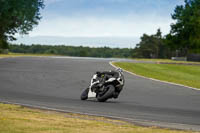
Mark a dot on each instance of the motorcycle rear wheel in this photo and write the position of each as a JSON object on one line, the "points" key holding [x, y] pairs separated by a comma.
{"points": [[108, 94]]}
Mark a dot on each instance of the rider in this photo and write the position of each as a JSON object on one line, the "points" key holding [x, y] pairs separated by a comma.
{"points": [[108, 74]]}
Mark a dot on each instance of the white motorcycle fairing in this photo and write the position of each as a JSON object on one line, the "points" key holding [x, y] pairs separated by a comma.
{"points": [[92, 94]]}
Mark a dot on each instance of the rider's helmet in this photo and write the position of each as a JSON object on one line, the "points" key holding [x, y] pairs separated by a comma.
{"points": [[98, 74]]}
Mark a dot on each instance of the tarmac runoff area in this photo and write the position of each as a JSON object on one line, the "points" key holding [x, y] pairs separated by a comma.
{"points": [[56, 83]]}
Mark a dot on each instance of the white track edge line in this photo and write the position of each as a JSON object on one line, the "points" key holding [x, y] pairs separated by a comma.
{"points": [[111, 63]]}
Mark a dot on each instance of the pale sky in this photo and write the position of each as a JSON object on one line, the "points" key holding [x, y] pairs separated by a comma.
{"points": [[105, 18]]}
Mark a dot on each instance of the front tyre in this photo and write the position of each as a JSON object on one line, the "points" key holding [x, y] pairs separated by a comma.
{"points": [[108, 94], [84, 95]]}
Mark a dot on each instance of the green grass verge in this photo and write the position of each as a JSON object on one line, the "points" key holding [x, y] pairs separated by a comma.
{"points": [[167, 61], [18, 119], [182, 74]]}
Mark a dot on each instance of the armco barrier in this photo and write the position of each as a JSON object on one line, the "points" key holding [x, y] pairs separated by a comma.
{"points": [[193, 57]]}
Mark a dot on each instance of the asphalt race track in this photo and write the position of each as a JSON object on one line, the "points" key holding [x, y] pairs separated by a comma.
{"points": [[56, 82]]}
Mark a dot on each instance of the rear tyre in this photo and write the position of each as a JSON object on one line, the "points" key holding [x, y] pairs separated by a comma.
{"points": [[84, 95], [108, 94]]}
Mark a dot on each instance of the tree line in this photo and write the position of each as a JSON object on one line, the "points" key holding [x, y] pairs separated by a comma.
{"points": [[80, 51]]}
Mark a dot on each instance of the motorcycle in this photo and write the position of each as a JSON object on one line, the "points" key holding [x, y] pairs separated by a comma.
{"points": [[104, 85]]}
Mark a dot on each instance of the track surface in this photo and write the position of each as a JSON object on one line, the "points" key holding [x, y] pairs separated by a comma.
{"points": [[58, 83]]}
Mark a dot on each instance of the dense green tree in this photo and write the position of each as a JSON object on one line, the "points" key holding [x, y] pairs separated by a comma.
{"points": [[185, 32], [145, 47], [151, 46], [18, 16]]}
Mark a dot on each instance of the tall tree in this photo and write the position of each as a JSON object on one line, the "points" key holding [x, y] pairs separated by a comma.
{"points": [[151, 46], [185, 32], [18, 16]]}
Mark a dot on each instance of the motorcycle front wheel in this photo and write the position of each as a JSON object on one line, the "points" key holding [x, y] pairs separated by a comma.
{"points": [[108, 94], [84, 95]]}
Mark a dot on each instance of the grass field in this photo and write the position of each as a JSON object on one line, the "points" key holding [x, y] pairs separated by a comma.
{"points": [[167, 61], [18, 119], [20, 54], [182, 74]]}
